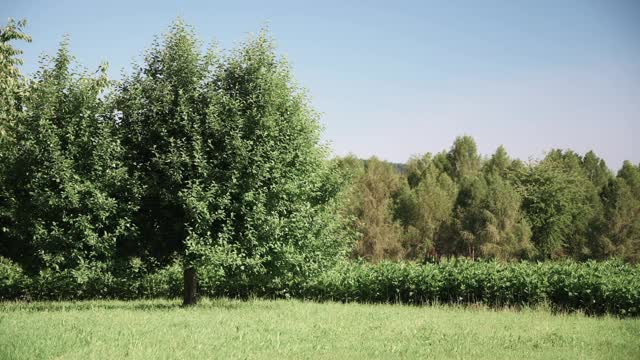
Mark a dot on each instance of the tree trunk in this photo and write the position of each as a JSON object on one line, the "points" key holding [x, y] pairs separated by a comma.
{"points": [[190, 286]]}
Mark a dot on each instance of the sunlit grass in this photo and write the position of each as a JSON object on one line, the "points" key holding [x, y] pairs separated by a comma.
{"points": [[157, 329]]}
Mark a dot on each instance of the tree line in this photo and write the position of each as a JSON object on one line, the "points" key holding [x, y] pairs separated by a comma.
{"points": [[214, 158], [457, 203]]}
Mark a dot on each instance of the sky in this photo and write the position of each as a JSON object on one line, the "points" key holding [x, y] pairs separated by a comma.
{"points": [[400, 78]]}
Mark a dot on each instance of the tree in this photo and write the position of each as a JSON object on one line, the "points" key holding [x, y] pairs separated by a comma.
{"points": [[463, 158], [12, 84], [424, 207], [467, 220], [631, 176], [162, 107], [371, 201], [417, 168], [277, 193], [560, 203], [65, 184], [227, 150], [12, 91], [596, 170], [505, 233], [499, 164], [620, 228]]}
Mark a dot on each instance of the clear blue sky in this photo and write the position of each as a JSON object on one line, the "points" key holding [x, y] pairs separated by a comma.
{"points": [[398, 78]]}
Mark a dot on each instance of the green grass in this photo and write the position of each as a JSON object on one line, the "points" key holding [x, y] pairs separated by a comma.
{"points": [[224, 329]]}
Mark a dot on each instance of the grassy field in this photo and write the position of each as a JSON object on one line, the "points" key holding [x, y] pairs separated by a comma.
{"points": [[160, 329]]}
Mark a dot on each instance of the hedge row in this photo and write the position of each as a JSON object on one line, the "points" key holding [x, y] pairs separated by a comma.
{"points": [[593, 287]]}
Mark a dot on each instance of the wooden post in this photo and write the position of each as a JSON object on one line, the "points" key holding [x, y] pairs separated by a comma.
{"points": [[190, 283]]}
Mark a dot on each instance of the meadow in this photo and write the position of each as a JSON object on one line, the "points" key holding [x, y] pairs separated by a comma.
{"points": [[294, 329]]}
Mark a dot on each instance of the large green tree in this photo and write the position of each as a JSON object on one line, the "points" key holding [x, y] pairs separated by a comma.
{"points": [[619, 231], [424, 207], [505, 233], [162, 109], [227, 151], [560, 203], [65, 186], [12, 90], [277, 195], [487, 220]]}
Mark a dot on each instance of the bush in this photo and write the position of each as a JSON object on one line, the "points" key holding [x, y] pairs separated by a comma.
{"points": [[592, 287], [13, 282], [608, 287], [164, 283]]}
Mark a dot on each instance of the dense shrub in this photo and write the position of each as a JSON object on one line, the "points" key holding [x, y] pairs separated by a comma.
{"points": [[592, 287], [612, 287], [13, 282], [164, 283], [450, 282]]}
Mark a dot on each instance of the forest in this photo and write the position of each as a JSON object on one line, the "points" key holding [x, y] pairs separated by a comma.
{"points": [[205, 169], [458, 203]]}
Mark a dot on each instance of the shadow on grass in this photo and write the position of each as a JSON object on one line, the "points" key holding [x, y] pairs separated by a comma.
{"points": [[133, 305], [230, 304]]}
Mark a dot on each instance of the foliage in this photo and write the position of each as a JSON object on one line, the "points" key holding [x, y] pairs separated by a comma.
{"points": [[161, 109], [12, 90], [13, 281], [227, 151], [65, 188], [619, 230], [560, 203], [12, 84], [463, 159], [194, 157], [592, 287], [370, 199], [596, 288], [424, 207], [503, 232], [276, 193]]}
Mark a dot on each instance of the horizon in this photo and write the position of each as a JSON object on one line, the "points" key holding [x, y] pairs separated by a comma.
{"points": [[399, 80]]}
